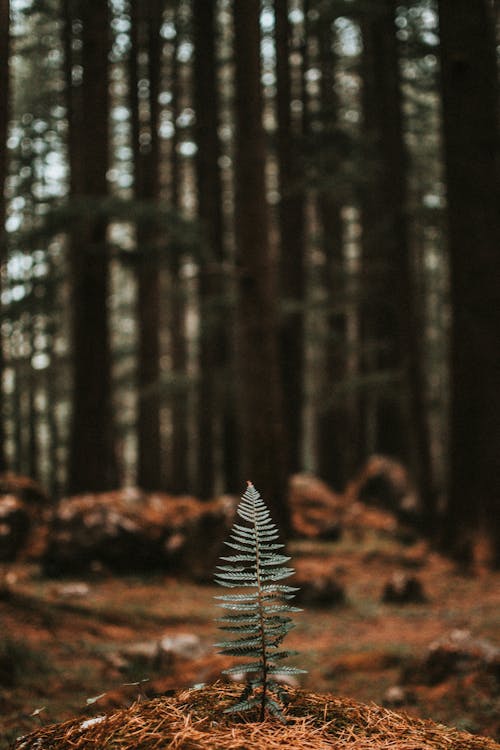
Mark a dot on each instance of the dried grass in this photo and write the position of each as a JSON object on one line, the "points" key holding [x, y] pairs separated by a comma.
{"points": [[194, 720]]}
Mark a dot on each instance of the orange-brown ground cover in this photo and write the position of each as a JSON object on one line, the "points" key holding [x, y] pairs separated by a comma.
{"points": [[194, 720], [68, 644]]}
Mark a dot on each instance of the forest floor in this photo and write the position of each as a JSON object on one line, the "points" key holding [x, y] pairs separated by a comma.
{"points": [[70, 648]]}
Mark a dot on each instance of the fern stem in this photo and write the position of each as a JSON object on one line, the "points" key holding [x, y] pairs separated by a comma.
{"points": [[261, 620]]}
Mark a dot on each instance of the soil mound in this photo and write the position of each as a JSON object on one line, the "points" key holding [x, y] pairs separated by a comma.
{"points": [[129, 530], [22, 506], [194, 719], [386, 483]]}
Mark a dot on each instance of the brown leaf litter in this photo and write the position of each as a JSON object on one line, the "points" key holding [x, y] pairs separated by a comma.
{"points": [[194, 720]]}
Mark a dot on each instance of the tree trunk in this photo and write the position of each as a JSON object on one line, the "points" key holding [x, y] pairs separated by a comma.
{"points": [[92, 460], [52, 384], [179, 471], [258, 376], [335, 448], [292, 230], [146, 18], [18, 416], [32, 455], [383, 234], [470, 111], [391, 319], [213, 344], [4, 124]]}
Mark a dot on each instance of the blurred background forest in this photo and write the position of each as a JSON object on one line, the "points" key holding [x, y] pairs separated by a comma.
{"points": [[248, 239]]}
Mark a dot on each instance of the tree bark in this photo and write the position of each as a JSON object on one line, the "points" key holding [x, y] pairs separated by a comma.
{"points": [[4, 124], [146, 18], [179, 471], [213, 343], [258, 376], [335, 449], [392, 318], [92, 459], [292, 231], [18, 416], [471, 150], [383, 232]]}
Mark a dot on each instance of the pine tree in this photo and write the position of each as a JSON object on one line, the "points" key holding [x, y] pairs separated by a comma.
{"points": [[212, 336], [471, 148], [179, 445], [146, 18], [4, 122], [257, 368], [92, 458], [291, 220]]}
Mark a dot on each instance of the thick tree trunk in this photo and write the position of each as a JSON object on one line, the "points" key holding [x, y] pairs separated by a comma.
{"points": [[213, 344], [92, 460], [292, 230], [258, 376], [471, 150], [146, 18], [384, 236], [392, 320], [337, 434], [4, 124]]}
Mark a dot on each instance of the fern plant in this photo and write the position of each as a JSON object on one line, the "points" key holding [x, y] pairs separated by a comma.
{"points": [[259, 614]]}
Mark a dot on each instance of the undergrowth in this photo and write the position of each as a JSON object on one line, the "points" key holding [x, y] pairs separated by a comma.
{"points": [[259, 614]]}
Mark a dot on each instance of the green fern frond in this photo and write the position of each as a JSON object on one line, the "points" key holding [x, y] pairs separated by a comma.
{"points": [[259, 617]]}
